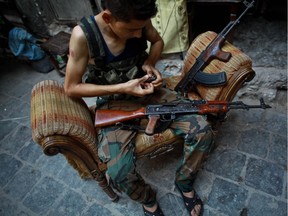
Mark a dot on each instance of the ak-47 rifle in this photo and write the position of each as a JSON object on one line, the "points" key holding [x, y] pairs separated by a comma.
{"points": [[213, 51], [168, 111]]}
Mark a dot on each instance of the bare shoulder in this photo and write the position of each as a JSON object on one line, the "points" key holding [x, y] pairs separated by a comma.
{"points": [[78, 43], [78, 34]]}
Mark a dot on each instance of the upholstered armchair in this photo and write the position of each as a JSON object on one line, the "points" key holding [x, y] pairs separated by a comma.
{"points": [[65, 125]]}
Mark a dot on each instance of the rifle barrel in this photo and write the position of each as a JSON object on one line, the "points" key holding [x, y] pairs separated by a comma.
{"points": [[241, 105], [237, 20]]}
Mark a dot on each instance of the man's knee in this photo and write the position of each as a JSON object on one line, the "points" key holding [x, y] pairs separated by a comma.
{"points": [[201, 140]]}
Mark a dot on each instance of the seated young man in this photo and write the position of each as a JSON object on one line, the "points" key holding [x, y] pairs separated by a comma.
{"points": [[113, 46]]}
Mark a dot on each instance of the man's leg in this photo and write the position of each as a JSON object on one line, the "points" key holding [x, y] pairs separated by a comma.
{"points": [[198, 139], [116, 147]]}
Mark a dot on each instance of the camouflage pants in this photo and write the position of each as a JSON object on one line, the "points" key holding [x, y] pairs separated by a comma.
{"points": [[116, 147]]}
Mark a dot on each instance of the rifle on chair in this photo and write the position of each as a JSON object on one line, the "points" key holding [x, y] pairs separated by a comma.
{"points": [[213, 51], [168, 111]]}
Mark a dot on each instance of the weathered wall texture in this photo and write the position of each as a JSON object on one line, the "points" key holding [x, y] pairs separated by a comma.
{"points": [[39, 14]]}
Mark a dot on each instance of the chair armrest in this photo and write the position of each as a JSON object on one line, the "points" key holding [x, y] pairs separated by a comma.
{"points": [[61, 124], [54, 114]]}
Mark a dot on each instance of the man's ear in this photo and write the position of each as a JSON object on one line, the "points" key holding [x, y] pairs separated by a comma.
{"points": [[106, 16]]}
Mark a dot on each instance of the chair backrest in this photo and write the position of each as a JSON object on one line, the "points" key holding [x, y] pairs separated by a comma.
{"points": [[238, 69]]}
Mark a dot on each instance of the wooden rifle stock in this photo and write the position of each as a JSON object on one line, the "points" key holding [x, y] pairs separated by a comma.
{"points": [[214, 51], [105, 118]]}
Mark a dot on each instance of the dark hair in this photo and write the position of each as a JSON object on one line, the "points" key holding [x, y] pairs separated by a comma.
{"points": [[125, 10]]}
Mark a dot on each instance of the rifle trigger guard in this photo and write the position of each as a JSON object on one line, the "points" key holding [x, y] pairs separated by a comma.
{"points": [[165, 118]]}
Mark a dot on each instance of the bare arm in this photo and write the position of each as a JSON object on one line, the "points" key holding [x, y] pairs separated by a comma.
{"points": [[76, 67]]}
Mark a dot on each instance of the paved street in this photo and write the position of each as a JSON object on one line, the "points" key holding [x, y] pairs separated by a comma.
{"points": [[245, 175]]}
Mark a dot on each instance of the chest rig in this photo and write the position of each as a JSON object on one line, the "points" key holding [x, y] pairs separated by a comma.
{"points": [[112, 72]]}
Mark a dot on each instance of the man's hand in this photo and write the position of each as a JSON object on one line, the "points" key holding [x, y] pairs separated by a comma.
{"points": [[138, 87], [150, 70]]}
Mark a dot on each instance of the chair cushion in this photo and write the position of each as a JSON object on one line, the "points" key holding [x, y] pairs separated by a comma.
{"points": [[156, 144]]}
